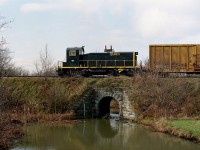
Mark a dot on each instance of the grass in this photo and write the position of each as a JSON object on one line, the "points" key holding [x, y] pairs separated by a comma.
{"points": [[191, 126], [183, 128]]}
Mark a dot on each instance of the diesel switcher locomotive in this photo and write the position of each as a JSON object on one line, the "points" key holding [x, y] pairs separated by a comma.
{"points": [[108, 62]]}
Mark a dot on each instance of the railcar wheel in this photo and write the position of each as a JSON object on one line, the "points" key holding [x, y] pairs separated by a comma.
{"points": [[115, 72], [86, 73]]}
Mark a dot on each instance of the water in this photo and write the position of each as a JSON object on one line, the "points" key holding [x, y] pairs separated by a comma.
{"points": [[114, 116], [99, 135]]}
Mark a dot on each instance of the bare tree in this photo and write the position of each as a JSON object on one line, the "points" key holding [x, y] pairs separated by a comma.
{"points": [[5, 58], [44, 66], [4, 65], [17, 71]]}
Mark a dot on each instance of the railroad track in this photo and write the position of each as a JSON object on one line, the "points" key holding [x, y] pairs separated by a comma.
{"points": [[96, 76], [30, 77], [107, 76]]}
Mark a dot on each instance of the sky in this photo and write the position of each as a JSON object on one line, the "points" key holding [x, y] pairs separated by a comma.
{"points": [[127, 25]]}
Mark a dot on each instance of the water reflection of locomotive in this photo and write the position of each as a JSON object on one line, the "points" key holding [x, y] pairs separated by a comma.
{"points": [[108, 62], [165, 58]]}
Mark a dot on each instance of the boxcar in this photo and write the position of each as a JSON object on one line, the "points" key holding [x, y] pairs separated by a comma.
{"points": [[177, 58]]}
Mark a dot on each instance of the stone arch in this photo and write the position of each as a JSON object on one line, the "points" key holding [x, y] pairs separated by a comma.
{"points": [[88, 106], [103, 105]]}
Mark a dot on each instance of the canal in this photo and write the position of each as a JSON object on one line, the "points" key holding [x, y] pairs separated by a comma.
{"points": [[97, 134]]}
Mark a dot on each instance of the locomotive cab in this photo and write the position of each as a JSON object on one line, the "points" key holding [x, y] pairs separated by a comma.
{"points": [[73, 55]]}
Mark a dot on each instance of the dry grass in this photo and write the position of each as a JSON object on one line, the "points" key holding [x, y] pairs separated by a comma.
{"points": [[37, 95], [9, 130], [165, 97], [50, 118]]}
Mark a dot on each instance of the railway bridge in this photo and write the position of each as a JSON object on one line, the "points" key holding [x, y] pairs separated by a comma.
{"points": [[96, 103]]}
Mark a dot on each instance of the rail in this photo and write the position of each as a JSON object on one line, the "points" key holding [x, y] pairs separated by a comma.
{"points": [[95, 76], [29, 76]]}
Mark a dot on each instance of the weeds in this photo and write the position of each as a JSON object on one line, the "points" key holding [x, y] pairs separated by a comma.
{"points": [[165, 97], [10, 129]]}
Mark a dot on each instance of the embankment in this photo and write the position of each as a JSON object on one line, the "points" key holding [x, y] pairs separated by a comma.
{"points": [[28, 100], [24, 100]]}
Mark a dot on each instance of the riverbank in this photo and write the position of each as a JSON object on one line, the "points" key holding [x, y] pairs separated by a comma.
{"points": [[13, 129], [10, 130], [183, 128], [12, 125]]}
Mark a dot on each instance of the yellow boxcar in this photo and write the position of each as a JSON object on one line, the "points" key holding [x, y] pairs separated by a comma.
{"points": [[174, 58]]}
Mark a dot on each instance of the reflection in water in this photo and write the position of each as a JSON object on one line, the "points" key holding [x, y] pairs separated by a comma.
{"points": [[111, 127], [99, 135]]}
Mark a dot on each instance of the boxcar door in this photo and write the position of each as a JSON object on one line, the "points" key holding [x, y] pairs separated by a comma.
{"points": [[191, 58], [197, 63]]}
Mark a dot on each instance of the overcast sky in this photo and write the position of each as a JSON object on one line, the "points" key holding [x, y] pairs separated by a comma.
{"points": [[127, 25]]}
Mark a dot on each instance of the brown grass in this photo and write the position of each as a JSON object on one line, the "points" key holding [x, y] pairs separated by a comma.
{"points": [[10, 130], [165, 97], [32, 118]]}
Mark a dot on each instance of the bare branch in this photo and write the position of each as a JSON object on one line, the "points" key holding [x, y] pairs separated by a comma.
{"points": [[5, 58], [44, 66]]}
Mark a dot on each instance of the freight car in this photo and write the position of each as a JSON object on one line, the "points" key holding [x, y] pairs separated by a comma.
{"points": [[105, 63], [175, 58]]}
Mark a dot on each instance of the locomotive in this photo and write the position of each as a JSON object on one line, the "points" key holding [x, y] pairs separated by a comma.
{"points": [[108, 62]]}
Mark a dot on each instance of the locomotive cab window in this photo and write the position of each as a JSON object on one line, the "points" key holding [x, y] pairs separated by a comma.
{"points": [[72, 53]]}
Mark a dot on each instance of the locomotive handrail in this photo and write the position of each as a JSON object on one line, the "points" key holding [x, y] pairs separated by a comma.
{"points": [[100, 64], [60, 64], [104, 63]]}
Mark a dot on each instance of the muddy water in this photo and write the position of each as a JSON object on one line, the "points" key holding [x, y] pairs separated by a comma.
{"points": [[99, 135]]}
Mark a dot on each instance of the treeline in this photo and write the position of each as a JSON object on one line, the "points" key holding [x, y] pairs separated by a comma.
{"points": [[43, 66]]}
